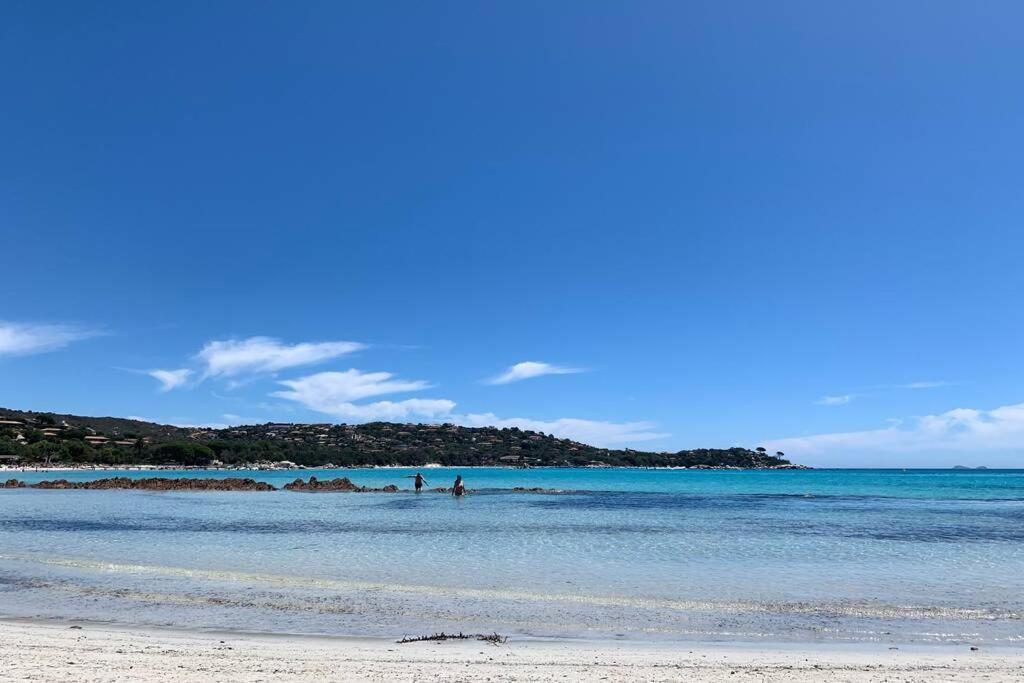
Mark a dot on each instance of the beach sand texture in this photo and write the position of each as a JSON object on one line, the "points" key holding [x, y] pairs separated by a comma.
{"points": [[54, 651]]}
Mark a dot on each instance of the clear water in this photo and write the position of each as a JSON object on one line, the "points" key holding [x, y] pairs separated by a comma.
{"points": [[834, 555]]}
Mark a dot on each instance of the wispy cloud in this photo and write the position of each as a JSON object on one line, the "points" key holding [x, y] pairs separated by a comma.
{"points": [[593, 432], [840, 400], [170, 379], [868, 392], [336, 394], [966, 430], [412, 408], [325, 388], [22, 339], [924, 385], [255, 355], [529, 369], [240, 361]]}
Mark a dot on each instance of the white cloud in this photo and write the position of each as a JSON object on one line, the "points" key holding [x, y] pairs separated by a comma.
{"points": [[834, 400], [421, 408], [966, 431], [593, 432], [170, 379], [529, 369], [336, 393], [327, 388], [233, 357], [22, 339]]}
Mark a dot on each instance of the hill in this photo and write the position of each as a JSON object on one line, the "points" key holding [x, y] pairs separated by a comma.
{"points": [[31, 437]]}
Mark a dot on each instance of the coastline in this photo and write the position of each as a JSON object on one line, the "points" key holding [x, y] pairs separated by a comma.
{"points": [[254, 467], [64, 650]]}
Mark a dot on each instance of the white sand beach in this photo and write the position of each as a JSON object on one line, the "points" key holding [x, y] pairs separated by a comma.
{"points": [[55, 651]]}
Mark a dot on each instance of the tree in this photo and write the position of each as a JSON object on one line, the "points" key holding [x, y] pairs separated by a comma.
{"points": [[188, 454]]}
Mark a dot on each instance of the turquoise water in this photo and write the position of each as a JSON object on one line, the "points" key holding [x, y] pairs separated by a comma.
{"points": [[960, 484], [829, 555]]}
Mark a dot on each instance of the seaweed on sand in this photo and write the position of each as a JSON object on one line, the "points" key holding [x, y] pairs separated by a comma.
{"points": [[493, 639]]}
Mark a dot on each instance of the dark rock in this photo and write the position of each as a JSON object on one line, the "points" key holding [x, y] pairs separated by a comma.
{"points": [[158, 484], [14, 484], [340, 485]]}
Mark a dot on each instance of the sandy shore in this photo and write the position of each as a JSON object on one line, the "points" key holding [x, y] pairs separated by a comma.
{"points": [[52, 651]]}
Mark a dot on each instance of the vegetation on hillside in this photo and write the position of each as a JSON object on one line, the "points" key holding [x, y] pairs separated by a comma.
{"points": [[34, 438]]}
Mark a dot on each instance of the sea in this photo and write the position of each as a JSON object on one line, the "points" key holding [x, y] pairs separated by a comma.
{"points": [[913, 556]]}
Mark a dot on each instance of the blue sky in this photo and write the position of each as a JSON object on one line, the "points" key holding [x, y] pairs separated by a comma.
{"points": [[700, 224]]}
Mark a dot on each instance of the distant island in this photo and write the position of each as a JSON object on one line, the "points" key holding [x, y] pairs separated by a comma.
{"points": [[40, 439]]}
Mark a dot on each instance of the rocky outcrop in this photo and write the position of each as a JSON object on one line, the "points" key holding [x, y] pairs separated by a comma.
{"points": [[341, 485], [152, 484], [537, 489]]}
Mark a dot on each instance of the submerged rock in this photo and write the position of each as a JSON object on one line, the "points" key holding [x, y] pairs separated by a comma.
{"points": [[339, 485]]}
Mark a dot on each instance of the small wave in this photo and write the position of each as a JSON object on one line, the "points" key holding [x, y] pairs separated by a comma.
{"points": [[819, 609]]}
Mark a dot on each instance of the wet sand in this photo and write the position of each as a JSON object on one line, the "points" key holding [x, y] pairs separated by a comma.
{"points": [[56, 651]]}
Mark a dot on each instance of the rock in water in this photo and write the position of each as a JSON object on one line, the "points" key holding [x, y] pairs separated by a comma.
{"points": [[341, 485], [158, 484]]}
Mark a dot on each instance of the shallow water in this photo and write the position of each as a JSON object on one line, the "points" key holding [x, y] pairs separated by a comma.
{"points": [[926, 556]]}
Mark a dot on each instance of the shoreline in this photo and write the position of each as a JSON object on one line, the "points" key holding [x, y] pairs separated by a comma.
{"points": [[54, 650], [852, 646], [258, 468]]}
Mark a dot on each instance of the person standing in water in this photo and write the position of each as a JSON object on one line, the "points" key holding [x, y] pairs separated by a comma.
{"points": [[460, 488], [420, 481]]}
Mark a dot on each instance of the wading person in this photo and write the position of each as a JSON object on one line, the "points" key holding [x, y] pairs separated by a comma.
{"points": [[420, 481], [459, 489]]}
